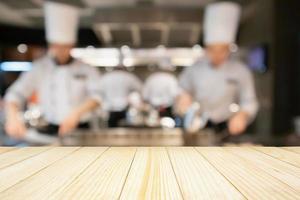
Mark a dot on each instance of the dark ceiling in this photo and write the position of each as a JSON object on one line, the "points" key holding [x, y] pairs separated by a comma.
{"points": [[138, 23]]}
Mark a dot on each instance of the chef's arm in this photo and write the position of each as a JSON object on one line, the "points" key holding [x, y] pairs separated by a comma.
{"points": [[15, 98], [92, 103], [248, 101], [23, 87], [184, 98], [94, 90], [183, 101], [14, 125], [12, 109], [73, 119], [86, 107], [248, 106]]}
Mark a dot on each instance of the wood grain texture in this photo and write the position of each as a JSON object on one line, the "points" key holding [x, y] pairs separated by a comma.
{"points": [[6, 149], [55, 177], [149, 173], [293, 149], [250, 180], [22, 170], [199, 179], [281, 154], [18, 155], [151, 176], [283, 171], [104, 179]]}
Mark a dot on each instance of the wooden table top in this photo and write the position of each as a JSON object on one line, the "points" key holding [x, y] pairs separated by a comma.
{"points": [[150, 173]]}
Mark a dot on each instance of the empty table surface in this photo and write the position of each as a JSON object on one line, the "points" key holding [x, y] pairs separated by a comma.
{"points": [[150, 173]]}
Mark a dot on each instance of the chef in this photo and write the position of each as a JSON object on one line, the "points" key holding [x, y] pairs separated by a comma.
{"points": [[222, 86], [116, 87], [161, 89], [66, 87]]}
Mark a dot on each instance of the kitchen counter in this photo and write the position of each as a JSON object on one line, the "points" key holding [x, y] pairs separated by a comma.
{"points": [[150, 173], [132, 137]]}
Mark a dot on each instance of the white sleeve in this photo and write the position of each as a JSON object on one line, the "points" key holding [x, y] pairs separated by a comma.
{"points": [[247, 97], [93, 84], [185, 80], [23, 87]]}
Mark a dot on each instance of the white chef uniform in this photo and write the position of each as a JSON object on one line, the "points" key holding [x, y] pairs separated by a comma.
{"points": [[161, 89], [115, 88], [218, 89], [60, 88]]}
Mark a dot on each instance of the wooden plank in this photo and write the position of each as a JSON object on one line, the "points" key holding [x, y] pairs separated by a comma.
{"points": [[57, 176], [151, 176], [283, 171], [12, 175], [6, 149], [281, 154], [18, 155], [250, 180], [197, 178], [293, 149], [104, 179], [150, 173]]}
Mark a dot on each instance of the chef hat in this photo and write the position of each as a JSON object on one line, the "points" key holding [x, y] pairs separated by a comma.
{"points": [[61, 23], [221, 22]]}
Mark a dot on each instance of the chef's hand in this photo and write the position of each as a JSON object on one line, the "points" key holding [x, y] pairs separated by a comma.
{"points": [[238, 123], [15, 126], [69, 123], [183, 103]]}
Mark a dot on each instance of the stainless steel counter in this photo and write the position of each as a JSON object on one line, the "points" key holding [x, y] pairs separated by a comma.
{"points": [[141, 137]]}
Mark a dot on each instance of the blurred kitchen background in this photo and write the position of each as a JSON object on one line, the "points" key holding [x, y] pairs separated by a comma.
{"points": [[139, 34]]}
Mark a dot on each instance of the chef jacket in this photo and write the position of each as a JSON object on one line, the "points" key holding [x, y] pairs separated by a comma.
{"points": [[60, 88], [217, 89], [115, 87], [161, 89]]}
